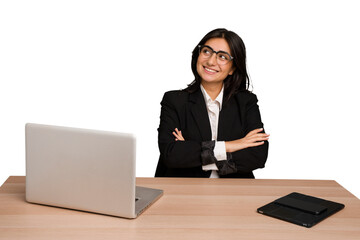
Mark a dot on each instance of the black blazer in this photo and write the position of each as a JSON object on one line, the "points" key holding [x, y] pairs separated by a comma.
{"points": [[187, 112]]}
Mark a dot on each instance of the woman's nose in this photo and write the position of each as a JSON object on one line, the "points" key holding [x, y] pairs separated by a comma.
{"points": [[212, 60]]}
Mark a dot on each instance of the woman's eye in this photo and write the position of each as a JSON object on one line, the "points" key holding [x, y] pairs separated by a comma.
{"points": [[223, 57], [206, 51]]}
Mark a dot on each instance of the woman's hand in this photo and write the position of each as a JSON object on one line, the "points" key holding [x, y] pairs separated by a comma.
{"points": [[252, 139], [178, 135]]}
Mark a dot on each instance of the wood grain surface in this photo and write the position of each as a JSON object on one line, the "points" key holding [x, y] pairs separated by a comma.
{"points": [[189, 209]]}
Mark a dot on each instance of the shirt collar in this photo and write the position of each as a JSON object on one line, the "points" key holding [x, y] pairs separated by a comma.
{"points": [[208, 99]]}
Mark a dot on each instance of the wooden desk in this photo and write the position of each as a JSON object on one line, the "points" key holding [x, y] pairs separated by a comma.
{"points": [[190, 209]]}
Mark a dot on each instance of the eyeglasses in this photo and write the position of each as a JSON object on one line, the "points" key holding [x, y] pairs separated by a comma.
{"points": [[222, 57]]}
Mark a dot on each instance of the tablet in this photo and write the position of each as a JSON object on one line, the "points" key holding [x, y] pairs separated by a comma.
{"points": [[300, 209]]}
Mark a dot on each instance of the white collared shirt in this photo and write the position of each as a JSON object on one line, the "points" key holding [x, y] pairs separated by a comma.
{"points": [[213, 108]]}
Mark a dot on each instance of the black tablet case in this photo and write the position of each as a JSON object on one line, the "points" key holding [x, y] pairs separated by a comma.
{"points": [[301, 209]]}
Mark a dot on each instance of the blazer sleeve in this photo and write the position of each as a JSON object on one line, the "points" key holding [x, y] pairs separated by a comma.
{"points": [[175, 154], [249, 159]]}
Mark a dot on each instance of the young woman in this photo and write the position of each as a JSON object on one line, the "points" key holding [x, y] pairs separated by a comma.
{"points": [[213, 128]]}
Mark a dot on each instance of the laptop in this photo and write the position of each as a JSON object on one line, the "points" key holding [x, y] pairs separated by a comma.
{"points": [[86, 170], [301, 209]]}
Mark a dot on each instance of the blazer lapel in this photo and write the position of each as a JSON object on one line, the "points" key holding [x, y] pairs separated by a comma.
{"points": [[227, 117], [199, 112]]}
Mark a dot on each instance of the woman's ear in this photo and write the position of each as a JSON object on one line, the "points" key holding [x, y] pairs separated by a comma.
{"points": [[232, 71]]}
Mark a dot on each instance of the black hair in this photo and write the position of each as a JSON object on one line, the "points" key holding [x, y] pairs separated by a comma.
{"points": [[239, 80]]}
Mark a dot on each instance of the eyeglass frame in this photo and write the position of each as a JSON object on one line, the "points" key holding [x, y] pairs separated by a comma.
{"points": [[216, 52]]}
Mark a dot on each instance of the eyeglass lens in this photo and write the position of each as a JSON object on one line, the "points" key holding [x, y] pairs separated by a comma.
{"points": [[222, 57]]}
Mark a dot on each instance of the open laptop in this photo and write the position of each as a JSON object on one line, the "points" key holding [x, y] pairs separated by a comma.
{"points": [[84, 169]]}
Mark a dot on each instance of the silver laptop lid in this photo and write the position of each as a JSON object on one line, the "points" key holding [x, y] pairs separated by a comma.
{"points": [[81, 169]]}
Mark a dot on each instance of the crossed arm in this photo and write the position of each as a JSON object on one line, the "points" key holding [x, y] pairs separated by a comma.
{"points": [[244, 154], [253, 139]]}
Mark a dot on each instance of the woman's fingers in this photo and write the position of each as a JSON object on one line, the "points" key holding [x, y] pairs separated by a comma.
{"points": [[177, 131], [256, 135], [255, 138], [255, 144], [255, 131], [259, 137], [252, 139], [178, 135], [175, 134]]}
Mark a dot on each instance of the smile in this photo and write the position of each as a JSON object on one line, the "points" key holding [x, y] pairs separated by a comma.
{"points": [[210, 70]]}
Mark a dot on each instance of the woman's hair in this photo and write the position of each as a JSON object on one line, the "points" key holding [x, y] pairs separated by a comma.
{"points": [[234, 83]]}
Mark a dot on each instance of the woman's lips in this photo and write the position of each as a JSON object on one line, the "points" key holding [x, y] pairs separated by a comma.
{"points": [[209, 70]]}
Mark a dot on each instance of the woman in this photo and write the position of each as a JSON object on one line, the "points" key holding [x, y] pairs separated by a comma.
{"points": [[213, 127]]}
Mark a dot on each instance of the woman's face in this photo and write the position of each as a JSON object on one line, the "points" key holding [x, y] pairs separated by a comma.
{"points": [[208, 68]]}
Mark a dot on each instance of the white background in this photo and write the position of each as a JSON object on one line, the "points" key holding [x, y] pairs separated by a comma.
{"points": [[106, 64]]}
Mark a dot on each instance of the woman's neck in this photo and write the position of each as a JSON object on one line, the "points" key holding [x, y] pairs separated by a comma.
{"points": [[212, 89]]}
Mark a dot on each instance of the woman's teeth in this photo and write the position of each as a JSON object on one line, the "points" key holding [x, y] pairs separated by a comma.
{"points": [[210, 70]]}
